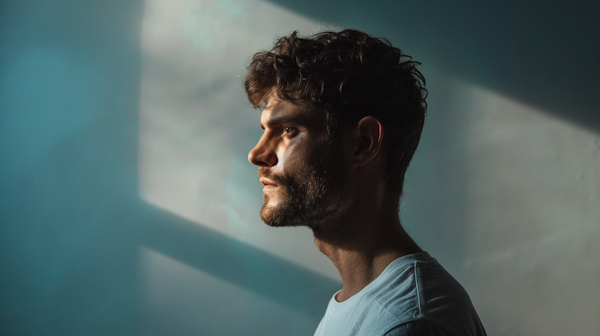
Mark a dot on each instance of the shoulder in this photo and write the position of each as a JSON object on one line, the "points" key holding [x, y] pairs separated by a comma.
{"points": [[438, 303], [443, 302], [414, 292]]}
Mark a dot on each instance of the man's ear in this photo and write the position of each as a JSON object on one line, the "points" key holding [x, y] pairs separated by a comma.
{"points": [[368, 137]]}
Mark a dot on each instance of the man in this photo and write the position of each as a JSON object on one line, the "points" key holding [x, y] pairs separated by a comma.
{"points": [[342, 116]]}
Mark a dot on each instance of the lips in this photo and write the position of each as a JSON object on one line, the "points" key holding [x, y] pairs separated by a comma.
{"points": [[268, 184]]}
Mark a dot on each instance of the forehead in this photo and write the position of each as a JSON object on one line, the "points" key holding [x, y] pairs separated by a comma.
{"points": [[280, 111]]}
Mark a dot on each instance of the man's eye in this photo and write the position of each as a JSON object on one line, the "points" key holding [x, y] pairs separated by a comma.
{"points": [[289, 131]]}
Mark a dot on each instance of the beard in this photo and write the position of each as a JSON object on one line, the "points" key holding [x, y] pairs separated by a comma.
{"points": [[312, 196]]}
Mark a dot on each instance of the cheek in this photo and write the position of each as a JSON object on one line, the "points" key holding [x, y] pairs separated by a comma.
{"points": [[289, 157], [281, 159]]}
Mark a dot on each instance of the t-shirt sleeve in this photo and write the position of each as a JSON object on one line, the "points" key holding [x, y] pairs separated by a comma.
{"points": [[417, 328]]}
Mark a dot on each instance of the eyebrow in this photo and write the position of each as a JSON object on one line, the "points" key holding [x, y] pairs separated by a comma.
{"points": [[298, 120]]}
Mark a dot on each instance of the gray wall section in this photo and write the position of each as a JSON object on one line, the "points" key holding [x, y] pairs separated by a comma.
{"points": [[503, 190]]}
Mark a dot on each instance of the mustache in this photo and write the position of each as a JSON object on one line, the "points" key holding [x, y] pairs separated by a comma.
{"points": [[268, 174]]}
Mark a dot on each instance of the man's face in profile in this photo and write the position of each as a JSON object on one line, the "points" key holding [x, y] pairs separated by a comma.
{"points": [[301, 170]]}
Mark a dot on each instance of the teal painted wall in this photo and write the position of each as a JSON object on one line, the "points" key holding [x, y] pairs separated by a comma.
{"points": [[127, 206]]}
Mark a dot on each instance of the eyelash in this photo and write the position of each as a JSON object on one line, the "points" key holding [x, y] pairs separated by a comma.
{"points": [[288, 129]]}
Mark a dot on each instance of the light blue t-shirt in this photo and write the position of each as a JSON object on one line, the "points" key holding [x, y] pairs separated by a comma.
{"points": [[414, 295]]}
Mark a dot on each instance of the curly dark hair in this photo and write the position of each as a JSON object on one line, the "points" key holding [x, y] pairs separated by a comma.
{"points": [[348, 75]]}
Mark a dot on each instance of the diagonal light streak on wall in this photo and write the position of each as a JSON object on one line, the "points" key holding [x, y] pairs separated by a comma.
{"points": [[196, 127], [526, 209]]}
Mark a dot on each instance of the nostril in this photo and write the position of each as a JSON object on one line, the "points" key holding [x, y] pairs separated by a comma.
{"points": [[262, 158], [272, 160]]}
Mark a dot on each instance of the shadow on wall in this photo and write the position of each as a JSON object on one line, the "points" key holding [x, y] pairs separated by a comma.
{"points": [[76, 242], [221, 277], [69, 90], [542, 53]]}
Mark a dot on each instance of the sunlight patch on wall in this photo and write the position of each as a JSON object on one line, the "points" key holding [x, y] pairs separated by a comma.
{"points": [[533, 204], [196, 126]]}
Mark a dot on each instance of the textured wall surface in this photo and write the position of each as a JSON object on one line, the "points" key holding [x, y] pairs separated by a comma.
{"points": [[127, 205], [521, 232]]}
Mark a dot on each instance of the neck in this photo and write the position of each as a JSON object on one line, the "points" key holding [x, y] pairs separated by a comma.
{"points": [[369, 244]]}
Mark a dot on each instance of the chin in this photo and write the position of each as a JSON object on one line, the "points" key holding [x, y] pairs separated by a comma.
{"points": [[273, 216], [269, 216]]}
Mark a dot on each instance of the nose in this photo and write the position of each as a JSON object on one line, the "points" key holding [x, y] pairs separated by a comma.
{"points": [[263, 155]]}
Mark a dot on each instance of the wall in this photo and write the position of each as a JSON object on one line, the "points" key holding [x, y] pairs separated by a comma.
{"points": [[127, 205]]}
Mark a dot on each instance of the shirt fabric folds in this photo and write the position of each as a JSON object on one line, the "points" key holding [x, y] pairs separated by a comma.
{"points": [[414, 295]]}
